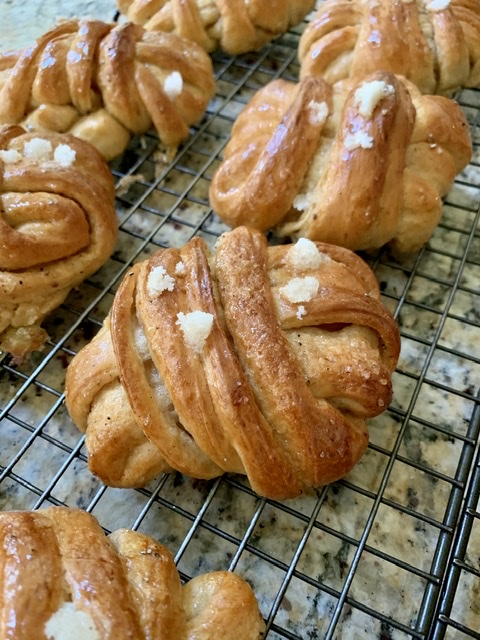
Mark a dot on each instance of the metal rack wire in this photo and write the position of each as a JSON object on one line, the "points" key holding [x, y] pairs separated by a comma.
{"points": [[393, 550]]}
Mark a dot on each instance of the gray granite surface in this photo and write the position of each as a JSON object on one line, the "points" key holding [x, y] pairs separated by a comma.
{"points": [[357, 559], [22, 22]]}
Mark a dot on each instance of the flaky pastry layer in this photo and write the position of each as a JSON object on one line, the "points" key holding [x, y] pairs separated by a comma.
{"points": [[236, 26], [298, 355], [57, 226], [59, 571], [433, 43], [104, 82], [360, 164]]}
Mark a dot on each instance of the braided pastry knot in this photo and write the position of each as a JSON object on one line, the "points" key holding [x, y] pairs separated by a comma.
{"points": [[60, 572], [57, 226], [257, 360], [103, 83], [236, 26], [357, 164], [433, 43]]}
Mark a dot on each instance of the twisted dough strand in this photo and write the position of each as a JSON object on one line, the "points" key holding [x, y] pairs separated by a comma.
{"points": [[437, 49], [103, 83], [58, 563], [278, 392], [264, 146], [236, 26], [57, 226]]}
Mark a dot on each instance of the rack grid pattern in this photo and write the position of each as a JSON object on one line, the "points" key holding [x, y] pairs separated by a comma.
{"points": [[393, 550]]}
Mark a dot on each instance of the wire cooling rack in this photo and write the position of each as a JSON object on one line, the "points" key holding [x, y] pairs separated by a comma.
{"points": [[393, 550]]}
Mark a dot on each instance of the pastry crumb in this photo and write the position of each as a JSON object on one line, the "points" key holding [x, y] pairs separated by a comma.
{"points": [[38, 149], [301, 202], [159, 281], [300, 289], [64, 155], [318, 112], [369, 94], [69, 623], [304, 254], [173, 85], [437, 5], [358, 140], [180, 268], [301, 312], [10, 156], [125, 182], [196, 327]]}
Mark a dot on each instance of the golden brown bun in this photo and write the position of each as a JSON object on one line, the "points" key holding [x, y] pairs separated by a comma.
{"points": [[126, 585], [437, 49], [357, 179], [57, 226], [236, 26], [103, 83], [280, 389]]}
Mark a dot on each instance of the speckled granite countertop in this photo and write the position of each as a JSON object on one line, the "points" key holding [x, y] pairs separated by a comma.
{"points": [[27, 20], [367, 557]]}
